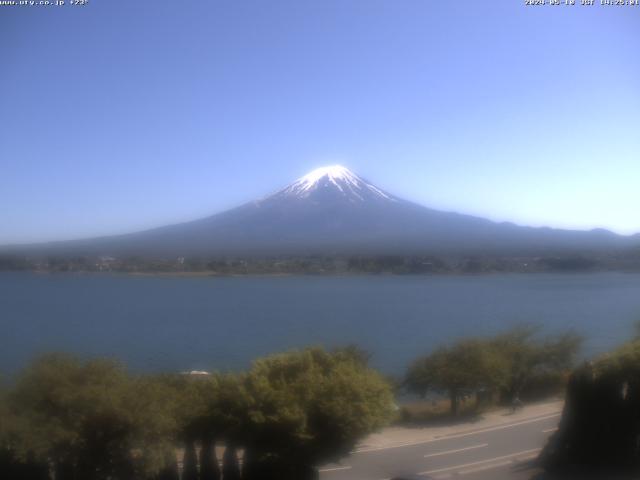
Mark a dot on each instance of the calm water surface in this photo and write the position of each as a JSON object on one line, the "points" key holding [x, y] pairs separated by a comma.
{"points": [[162, 323]]}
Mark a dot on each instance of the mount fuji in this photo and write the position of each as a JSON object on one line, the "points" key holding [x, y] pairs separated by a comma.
{"points": [[332, 210]]}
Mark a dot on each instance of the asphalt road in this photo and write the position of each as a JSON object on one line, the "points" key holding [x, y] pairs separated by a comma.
{"points": [[498, 452]]}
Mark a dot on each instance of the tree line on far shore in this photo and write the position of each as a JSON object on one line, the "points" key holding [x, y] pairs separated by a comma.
{"points": [[325, 264], [72, 419]]}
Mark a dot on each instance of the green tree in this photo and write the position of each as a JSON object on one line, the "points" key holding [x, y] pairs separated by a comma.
{"points": [[93, 420], [599, 428], [355, 353], [310, 407], [230, 465], [190, 462], [8, 464], [457, 370], [209, 467], [190, 397], [169, 471], [90, 419], [525, 355]]}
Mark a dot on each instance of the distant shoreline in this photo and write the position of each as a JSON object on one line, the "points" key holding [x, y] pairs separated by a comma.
{"points": [[329, 265], [214, 274]]}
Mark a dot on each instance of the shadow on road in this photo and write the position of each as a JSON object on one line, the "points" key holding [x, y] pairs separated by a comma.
{"points": [[533, 471], [584, 476], [440, 420]]}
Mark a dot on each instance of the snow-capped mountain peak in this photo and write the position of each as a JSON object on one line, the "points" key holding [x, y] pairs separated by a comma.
{"points": [[338, 178]]}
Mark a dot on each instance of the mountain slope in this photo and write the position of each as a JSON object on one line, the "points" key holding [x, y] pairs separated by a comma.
{"points": [[332, 211]]}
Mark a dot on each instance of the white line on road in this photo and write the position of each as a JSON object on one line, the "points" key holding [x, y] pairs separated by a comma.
{"points": [[471, 464], [531, 456], [458, 435], [334, 469], [491, 466], [549, 430], [456, 450], [500, 427], [484, 467]]}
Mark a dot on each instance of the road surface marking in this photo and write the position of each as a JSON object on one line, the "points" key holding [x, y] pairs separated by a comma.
{"points": [[480, 462], [491, 466], [334, 469], [528, 457], [499, 427], [484, 467], [456, 450], [456, 435], [549, 430]]}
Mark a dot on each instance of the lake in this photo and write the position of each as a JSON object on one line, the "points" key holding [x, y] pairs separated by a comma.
{"points": [[175, 324]]}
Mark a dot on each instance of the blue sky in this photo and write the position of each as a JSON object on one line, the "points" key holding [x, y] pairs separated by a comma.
{"points": [[124, 115]]}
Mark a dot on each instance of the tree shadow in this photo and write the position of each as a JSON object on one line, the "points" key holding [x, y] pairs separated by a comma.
{"points": [[441, 420], [533, 470], [584, 476]]}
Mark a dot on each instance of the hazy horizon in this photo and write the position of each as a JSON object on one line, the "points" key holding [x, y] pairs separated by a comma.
{"points": [[123, 117]]}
